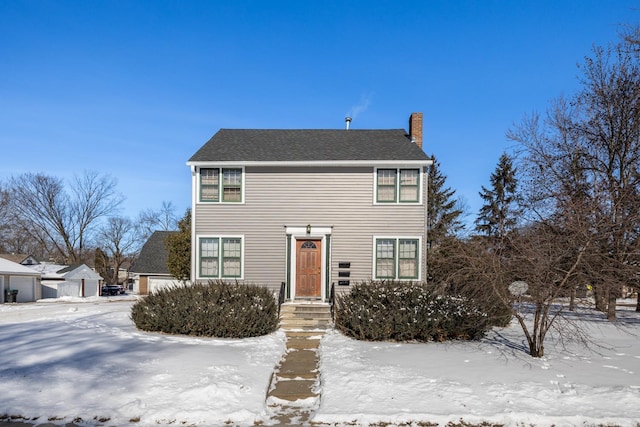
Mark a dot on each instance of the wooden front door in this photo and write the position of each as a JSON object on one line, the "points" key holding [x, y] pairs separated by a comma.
{"points": [[308, 268]]}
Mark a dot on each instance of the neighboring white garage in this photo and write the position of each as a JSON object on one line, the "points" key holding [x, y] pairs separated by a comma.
{"points": [[158, 282], [77, 280], [16, 277], [88, 280]]}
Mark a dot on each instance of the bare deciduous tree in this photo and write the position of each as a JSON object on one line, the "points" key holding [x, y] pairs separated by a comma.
{"points": [[547, 258], [63, 219], [164, 219], [18, 238], [583, 160], [120, 240], [4, 217], [93, 196], [542, 254]]}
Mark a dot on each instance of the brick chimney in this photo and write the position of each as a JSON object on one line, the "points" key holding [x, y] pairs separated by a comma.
{"points": [[415, 128]]}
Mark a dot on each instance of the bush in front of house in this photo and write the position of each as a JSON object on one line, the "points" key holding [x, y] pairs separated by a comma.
{"points": [[216, 309], [406, 311]]}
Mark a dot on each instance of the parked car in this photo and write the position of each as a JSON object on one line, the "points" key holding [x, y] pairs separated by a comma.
{"points": [[110, 290]]}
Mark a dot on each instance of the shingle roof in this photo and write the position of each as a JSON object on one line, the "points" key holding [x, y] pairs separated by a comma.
{"points": [[68, 268], [153, 255], [15, 257], [276, 145]]}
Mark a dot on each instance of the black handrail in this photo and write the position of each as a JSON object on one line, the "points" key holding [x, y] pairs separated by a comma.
{"points": [[281, 296], [332, 299]]}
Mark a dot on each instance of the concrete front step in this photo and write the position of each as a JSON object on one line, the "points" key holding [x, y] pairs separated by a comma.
{"points": [[300, 309], [305, 325], [321, 316], [306, 313], [305, 320], [305, 316], [305, 305]]}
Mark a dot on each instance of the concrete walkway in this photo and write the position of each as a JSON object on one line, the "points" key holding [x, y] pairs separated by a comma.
{"points": [[293, 394]]}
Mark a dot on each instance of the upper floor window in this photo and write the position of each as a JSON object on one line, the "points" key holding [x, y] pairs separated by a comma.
{"points": [[221, 185], [397, 185]]}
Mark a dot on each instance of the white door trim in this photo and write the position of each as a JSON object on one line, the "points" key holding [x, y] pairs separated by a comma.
{"points": [[314, 233]]}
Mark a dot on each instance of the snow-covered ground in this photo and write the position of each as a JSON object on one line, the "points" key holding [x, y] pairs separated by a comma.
{"points": [[85, 360]]}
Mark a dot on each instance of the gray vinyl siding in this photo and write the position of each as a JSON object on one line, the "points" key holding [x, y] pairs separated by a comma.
{"points": [[339, 197]]}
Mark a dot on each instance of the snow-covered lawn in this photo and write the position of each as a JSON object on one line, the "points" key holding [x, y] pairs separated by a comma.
{"points": [[85, 360]]}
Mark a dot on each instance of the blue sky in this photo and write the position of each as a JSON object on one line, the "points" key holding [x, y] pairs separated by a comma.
{"points": [[134, 88]]}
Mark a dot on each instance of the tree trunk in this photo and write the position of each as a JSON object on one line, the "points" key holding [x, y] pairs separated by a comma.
{"points": [[638, 300], [535, 352], [599, 296], [536, 340], [611, 308], [536, 347], [572, 300]]}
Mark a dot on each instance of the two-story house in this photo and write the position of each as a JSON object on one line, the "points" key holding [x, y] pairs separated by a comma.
{"points": [[310, 208]]}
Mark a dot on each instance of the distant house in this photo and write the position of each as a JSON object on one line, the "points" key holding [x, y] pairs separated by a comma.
{"points": [[23, 259], [310, 209], [17, 277], [149, 270]]}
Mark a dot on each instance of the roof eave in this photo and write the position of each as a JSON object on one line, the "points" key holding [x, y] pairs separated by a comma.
{"points": [[209, 163]]}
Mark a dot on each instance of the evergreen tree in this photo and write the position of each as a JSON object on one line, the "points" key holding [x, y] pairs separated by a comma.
{"points": [[101, 265], [443, 214], [499, 213], [179, 249]]}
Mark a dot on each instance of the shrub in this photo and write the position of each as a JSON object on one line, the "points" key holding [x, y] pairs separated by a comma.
{"points": [[466, 268], [216, 309], [406, 311]]}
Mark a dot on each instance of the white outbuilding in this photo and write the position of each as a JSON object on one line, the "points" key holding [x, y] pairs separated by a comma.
{"points": [[77, 280], [87, 280], [16, 277]]}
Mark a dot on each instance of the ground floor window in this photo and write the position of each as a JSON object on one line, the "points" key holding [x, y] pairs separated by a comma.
{"points": [[220, 257], [397, 258]]}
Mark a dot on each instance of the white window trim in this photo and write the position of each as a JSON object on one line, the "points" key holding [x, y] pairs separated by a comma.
{"points": [[198, 189], [398, 168], [396, 264], [220, 237]]}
